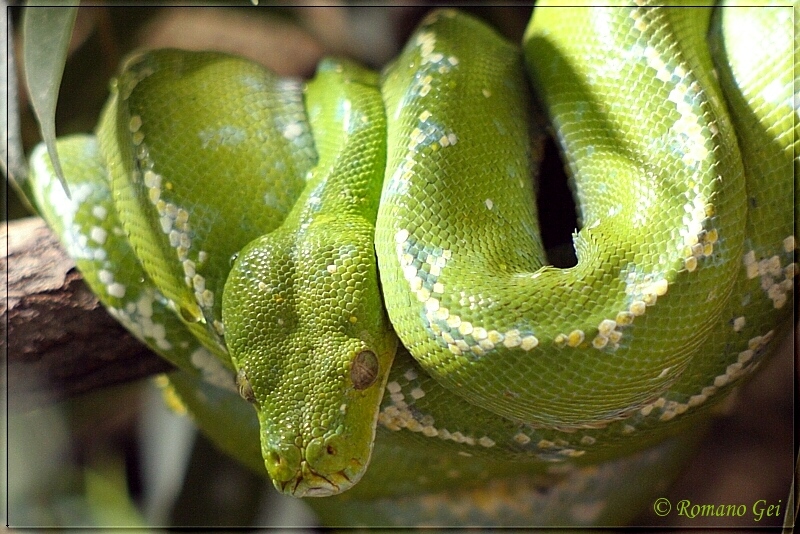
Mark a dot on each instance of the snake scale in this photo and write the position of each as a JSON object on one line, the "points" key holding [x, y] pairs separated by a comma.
{"points": [[274, 238]]}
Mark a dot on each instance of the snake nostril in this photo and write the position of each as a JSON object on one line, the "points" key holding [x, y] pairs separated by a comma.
{"points": [[274, 458], [330, 449]]}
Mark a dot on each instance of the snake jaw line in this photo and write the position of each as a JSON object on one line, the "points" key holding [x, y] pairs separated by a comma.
{"points": [[309, 483], [304, 471]]}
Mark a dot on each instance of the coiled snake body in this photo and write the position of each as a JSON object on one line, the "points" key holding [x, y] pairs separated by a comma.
{"points": [[226, 217]]}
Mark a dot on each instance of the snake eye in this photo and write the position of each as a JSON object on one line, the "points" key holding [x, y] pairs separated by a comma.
{"points": [[364, 370], [245, 389]]}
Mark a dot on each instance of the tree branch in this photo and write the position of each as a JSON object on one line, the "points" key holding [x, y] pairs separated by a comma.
{"points": [[59, 339]]}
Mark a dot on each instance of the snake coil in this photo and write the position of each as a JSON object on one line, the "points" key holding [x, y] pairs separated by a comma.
{"points": [[274, 239]]}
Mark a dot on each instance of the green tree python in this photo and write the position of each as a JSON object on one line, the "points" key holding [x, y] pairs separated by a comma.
{"points": [[275, 238]]}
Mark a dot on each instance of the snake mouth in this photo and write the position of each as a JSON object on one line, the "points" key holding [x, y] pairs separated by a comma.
{"points": [[319, 469], [309, 483]]}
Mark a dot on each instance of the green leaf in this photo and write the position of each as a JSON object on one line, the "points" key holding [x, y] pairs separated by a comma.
{"points": [[12, 155], [46, 33], [107, 494]]}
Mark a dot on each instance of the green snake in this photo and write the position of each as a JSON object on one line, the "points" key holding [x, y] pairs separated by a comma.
{"points": [[274, 239]]}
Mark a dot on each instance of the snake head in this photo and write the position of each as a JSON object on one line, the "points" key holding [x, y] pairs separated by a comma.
{"points": [[312, 347], [315, 448]]}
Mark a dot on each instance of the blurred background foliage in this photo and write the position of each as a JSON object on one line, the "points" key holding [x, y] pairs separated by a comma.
{"points": [[120, 457]]}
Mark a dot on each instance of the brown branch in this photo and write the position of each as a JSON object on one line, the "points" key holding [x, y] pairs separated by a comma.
{"points": [[59, 339]]}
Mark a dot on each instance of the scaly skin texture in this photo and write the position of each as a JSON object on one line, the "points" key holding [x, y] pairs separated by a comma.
{"points": [[317, 382], [226, 216], [533, 343]]}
